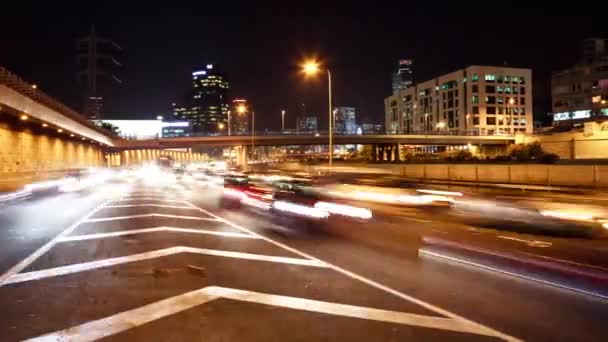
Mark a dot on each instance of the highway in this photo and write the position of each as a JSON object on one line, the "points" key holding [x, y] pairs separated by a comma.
{"points": [[164, 262]]}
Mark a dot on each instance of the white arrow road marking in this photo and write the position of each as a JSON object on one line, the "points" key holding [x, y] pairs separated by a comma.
{"points": [[40, 251], [149, 205], [126, 320], [154, 230], [91, 265], [116, 218]]}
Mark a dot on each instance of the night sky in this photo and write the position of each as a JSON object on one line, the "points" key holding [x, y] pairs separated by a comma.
{"points": [[260, 47]]}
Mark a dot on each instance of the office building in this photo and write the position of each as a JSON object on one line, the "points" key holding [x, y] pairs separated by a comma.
{"points": [[580, 93], [369, 128], [479, 100], [307, 124], [206, 105], [404, 77], [175, 129], [240, 117], [344, 120]]}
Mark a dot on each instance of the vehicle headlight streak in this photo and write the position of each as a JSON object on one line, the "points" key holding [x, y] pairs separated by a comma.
{"points": [[300, 209], [345, 210]]}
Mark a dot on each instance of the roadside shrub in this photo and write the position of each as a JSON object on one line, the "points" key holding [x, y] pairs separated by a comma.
{"points": [[462, 155]]}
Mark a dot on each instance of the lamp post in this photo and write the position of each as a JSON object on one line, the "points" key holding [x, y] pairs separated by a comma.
{"points": [[510, 109], [283, 121], [311, 68], [229, 123]]}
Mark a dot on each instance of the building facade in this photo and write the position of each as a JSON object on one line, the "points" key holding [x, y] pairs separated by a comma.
{"points": [[404, 77], [344, 120], [477, 100], [206, 105], [239, 117], [306, 124], [580, 93]]}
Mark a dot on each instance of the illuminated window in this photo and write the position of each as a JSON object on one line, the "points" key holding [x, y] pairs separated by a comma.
{"points": [[499, 78], [508, 90], [507, 79], [500, 100], [490, 78], [500, 89], [475, 99], [596, 99], [474, 78], [491, 99]]}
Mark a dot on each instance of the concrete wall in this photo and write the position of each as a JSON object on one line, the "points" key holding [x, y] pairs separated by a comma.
{"points": [[527, 174], [26, 157], [591, 143]]}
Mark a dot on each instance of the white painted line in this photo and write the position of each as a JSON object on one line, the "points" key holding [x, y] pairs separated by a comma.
{"points": [[46, 247], [531, 243], [150, 205], [484, 330], [116, 218], [414, 219], [423, 251], [91, 265], [155, 230], [125, 199], [126, 320]]}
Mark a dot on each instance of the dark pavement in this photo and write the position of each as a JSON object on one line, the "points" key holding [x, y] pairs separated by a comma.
{"points": [[163, 264]]}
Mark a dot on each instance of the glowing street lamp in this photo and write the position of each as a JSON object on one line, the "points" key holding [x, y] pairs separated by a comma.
{"points": [[220, 125], [311, 68]]}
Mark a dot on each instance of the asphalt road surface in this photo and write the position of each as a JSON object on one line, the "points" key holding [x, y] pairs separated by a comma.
{"points": [[151, 263]]}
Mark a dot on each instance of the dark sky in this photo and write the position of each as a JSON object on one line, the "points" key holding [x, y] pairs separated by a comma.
{"points": [[259, 47]]}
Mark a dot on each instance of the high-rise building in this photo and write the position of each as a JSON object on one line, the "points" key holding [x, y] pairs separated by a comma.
{"points": [[206, 103], [306, 123], [404, 77], [239, 117], [344, 120], [481, 100], [580, 93]]}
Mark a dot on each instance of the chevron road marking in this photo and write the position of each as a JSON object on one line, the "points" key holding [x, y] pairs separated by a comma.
{"points": [[126, 320], [154, 230], [116, 218], [91, 265]]}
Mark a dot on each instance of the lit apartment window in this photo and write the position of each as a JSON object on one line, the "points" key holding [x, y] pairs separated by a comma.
{"points": [[474, 78], [508, 90], [522, 80], [490, 78], [499, 78], [500, 89], [475, 99], [500, 100], [490, 99], [507, 79]]}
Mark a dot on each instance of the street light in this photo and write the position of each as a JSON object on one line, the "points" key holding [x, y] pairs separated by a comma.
{"points": [[229, 123], [241, 109], [283, 121], [510, 109], [220, 125], [311, 68]]}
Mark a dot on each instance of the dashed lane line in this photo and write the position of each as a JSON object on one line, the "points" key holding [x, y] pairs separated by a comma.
{"points": [[46, 247], [91, 265], [128, 217], [126, 320], [155, 230], [480, 327]]}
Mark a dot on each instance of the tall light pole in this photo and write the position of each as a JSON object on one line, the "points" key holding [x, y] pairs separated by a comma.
{"points": [[229, 123], [252, 135], [310, 68], [510, 108], [283, 121]]}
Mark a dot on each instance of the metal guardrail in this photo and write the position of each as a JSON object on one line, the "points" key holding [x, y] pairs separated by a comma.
{"points": [[17, 83], [336, 134]]}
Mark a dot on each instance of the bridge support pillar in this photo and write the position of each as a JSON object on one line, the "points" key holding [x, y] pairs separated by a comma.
{"points": [[374, 152], [241, 156], [389, 153], [397, 153]]}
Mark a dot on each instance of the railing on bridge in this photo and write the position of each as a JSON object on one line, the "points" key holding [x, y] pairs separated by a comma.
{"points": [[338, 134], [18, 84]]}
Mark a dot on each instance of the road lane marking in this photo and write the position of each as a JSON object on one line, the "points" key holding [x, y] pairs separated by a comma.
{"points": [[127, 199], [46, 247], [116, 218], [154, 230], [425, 251], [91, 265], [126, 320], [414, 219], [568, 262], [531, 243], [480, 327], [149, 205]]}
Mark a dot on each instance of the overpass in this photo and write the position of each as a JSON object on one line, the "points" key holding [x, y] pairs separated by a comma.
{"points": [[314, 139]]}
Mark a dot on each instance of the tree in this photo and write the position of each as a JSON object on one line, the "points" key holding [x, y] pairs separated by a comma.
{"points": [[109, 127]]}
